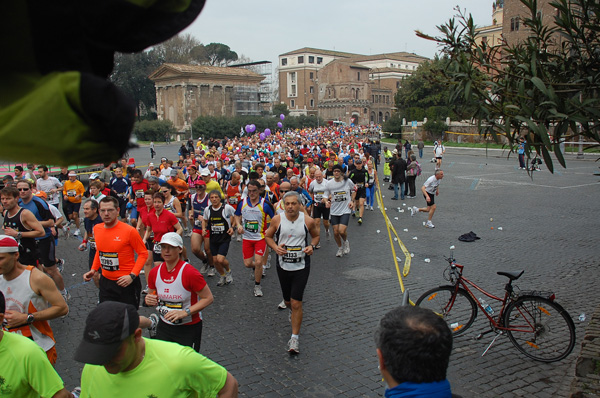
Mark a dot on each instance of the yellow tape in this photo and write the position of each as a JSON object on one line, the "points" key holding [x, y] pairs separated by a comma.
{"points": [[390, 229], [451, 132]]}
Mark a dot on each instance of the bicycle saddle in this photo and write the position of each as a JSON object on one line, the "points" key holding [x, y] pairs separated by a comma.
{"points": [[512, 275]]}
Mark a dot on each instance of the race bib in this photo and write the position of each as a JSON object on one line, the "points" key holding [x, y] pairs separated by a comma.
{"points": [[339, 196], [139, 193], [109, 261], [92, 242], [319, 195], [217, 228], [233, 200], [251, 226], [198, 224], [71, 193], [157, 248], [122, 195], [359, 185], [165, 306], [294, 254]]}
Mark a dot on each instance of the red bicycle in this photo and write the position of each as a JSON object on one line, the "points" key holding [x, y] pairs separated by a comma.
{"points": [[537, 326]]}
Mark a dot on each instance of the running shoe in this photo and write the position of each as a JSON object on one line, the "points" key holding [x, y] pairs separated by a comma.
{"points": [[264, 272], [60, 264], [293, 346], [328, 234], [211, 271], [268, 264], [359, 220], [77, 232], [222, 280], [340, 252], [429, 225], [188, 233], [282, 305], [66, 295], [413, 210], [394, 198], [372, 208], [204, 268], [228, 277], [76, 392], [353, 214], [346, 246], [153, 326], [239, 238], [258, 291]]}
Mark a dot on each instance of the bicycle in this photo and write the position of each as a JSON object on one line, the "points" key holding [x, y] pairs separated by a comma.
{"points": [[535, 324]]}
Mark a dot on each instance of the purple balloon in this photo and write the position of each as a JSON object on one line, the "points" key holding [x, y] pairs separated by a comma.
{"points": [[262, 136], [267, 132], [252, 128], [279, 124], [282, 116]]}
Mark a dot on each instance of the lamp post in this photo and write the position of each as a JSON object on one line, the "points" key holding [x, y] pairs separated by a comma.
{"points": [[189, 111]]}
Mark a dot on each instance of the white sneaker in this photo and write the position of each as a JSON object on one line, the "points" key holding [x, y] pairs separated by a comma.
{"points": [[222, 281], [239, 238], [328, 234], [346, 246], [372, 208], [258, 291], [228, 277], [282, 305], [211, 271], [153, 325], [264, 272], [340, 252], [293, 346], [429, 225], [204, 268], [77, 232], [268, 264], [413, 210]]}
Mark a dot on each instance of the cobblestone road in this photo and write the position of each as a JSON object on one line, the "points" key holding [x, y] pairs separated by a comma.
{"points": [[549, 229]]}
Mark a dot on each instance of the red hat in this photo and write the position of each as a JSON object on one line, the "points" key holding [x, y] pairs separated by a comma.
{"points": [[131, 161], [309, 160], [8, 244]]}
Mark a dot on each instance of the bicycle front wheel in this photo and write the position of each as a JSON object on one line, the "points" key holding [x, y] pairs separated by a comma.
{"points": [[456, 306], [540, 328]]}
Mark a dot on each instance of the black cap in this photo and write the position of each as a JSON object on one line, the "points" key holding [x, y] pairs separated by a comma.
{"points": [[106, 327]]}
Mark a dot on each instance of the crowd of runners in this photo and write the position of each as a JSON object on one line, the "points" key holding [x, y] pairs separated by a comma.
{"points": [[265, 197]]}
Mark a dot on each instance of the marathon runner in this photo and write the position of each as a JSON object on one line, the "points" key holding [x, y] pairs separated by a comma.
{"points": [[219, 221], [341, 194]]}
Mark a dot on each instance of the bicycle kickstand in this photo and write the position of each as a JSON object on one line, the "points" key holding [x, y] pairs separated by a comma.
{"points": [[493, 341]]}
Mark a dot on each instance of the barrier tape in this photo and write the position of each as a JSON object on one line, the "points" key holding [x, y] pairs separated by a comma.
{"points": [[390, 230], [451, 132]]}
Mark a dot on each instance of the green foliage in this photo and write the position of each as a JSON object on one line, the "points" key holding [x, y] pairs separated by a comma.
{"points": [[435, 127], [153, 130], [278, 109], [546, 87], [393, 124], [220, 126]]}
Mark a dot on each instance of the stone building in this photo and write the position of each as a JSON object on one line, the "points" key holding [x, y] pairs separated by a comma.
{"points": [[348, 87], [185, 92], [492, 34], [513, 30]]}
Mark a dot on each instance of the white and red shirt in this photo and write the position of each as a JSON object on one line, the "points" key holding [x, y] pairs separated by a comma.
{"points": [[176, 290]]}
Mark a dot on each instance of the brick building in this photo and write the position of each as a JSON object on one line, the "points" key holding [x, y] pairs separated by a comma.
{"points": [[492, 34], [185, 92], [336, 85], [515, 12]]}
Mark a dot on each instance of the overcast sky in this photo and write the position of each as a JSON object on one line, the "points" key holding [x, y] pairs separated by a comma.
{"points": [[263, 29]]}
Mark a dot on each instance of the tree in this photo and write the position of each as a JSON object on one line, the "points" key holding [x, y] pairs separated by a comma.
{"points": [[547, 86], [179, 49], [393, 124], [130, 74], [153, 130], [218, 54], [278, 109]]}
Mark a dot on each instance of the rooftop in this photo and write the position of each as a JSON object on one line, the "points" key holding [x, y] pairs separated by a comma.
{"points": [[202, 70]]}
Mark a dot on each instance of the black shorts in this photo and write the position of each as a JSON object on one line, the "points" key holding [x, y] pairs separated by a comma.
{"points": [[186, 335], [343, 219], [221, 247], [430, 199], [293, 282], [361, 193], [72, 208], [47, 251], [29, 255], [438, 157], [110, 291], [91, 257], [321, 212], [156, 257]]}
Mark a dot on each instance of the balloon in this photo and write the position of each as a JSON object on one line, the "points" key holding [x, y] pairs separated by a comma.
{"points": [[282, 116], [252, 128], [247, 128], [267, 132], [262, 136], [279, 124]]}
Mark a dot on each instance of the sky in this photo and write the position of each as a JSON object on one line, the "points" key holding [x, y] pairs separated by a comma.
{"points": [[261, 30]]}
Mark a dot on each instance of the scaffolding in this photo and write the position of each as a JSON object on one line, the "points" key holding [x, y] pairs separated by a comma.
{"points": [[246, 99], [265, 94]]}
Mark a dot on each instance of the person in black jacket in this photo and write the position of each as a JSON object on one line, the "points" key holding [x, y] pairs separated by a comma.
{"points": [[398, 175]]}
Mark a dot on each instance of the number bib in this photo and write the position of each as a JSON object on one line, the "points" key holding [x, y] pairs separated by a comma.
{"points": [[339, 196], [360, 185], [92, 242], [109, 261], [165, 306], [71, 193], [233, 200], [139, 193], [319, 195], [217, 228], [198, 224], [157, 248], [251, 226], [294, 254]]}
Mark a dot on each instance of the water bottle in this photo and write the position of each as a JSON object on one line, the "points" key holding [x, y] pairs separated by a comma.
{"points": [[486, 306]]}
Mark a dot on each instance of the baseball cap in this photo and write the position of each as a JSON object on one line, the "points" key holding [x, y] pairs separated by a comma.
{"points": [[72, 174], [41, 194], [201, 182], [309, 160], [204, 173], [359, 160], [150, 164], [93, 176], [173, 173], [8, 244], [152, 179], [172, 239], [106, 327]]}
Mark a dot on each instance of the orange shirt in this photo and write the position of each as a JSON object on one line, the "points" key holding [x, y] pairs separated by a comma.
{"points": [[115, 250], [180, 186]]}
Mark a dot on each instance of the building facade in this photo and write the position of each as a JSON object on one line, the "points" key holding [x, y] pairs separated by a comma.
{"points": [[185, 92], [348, 87]]}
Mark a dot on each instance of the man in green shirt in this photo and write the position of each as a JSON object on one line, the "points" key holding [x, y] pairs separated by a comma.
{"points": [[24, 369], [119, 360]]}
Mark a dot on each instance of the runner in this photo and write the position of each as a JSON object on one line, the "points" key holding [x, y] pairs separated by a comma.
{"points": [[218, 222], [116, 243], [73, 193], [122, 187], [32, 298], [360, 178], [318, 188], [182, 191], [288, 236], [253, 215], [200, 239], [341, 194], [50, 185], [138, 186], [233, 190]]}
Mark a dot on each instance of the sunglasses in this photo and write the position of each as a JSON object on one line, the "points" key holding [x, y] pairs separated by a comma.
{"points": [[283, 191], [23, 189]]}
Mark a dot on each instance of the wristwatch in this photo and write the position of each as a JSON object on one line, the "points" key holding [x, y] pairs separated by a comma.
{"points": [[19, 235], [187, 311], [30, 319], [314, 247], [133, 276]]}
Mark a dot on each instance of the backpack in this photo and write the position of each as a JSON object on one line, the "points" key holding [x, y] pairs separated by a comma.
{"points": [[418, 168]]}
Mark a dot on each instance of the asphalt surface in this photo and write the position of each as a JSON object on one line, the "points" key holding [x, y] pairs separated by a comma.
{"points": [[549, 228]]}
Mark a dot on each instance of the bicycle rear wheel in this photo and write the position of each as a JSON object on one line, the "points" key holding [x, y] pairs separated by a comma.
{"points": [[456, 306], [541, 329]]}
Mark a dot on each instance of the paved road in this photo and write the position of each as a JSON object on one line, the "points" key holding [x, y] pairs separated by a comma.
{"points": [[549, 229]]}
